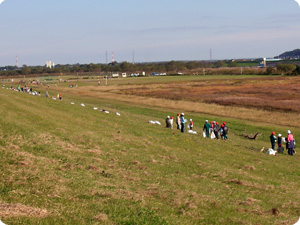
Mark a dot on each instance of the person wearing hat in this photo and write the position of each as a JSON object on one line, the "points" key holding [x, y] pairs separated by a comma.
{"points": [[206, 128], [182, 122], [279, 140], [191, 124], [171, 122], [280, 149], [291, 143], [273, 140], [178, 121]]}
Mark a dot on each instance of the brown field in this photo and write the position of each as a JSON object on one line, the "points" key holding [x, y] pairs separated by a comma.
{"points": [[263, 93], [262, 99]]}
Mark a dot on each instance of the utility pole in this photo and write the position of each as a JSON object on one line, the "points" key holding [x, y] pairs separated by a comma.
{"points": [[17, 62], [133, 59]]}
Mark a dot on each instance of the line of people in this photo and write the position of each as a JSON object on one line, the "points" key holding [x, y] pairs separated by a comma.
{"points": [[290, 142], [25, 89], [212, 130]]}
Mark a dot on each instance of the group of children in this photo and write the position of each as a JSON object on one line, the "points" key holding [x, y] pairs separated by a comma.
{"points": [[212, 130], [25, 89], [289, 142]]}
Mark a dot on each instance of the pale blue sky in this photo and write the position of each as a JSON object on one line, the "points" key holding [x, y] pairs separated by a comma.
{"points": [[158, 30]]}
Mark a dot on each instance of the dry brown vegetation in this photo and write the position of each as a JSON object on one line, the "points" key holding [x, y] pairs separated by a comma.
{"points": [[234, 98], [263, 93], [18, 210]]}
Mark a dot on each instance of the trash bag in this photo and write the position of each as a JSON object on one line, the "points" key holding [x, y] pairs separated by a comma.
{"points": [[204, 134], [271, 152], [280, 150], [212, 135]]}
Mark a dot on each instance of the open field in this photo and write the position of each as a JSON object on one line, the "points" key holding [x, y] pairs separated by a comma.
{"points": [[67, 164]]}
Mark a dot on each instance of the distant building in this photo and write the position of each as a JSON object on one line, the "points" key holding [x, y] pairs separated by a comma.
{"points": [[263, 63], [50, 64], [115, 75]]}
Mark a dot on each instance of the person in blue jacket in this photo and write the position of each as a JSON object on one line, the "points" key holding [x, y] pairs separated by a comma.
{"points": [[182, 122]]}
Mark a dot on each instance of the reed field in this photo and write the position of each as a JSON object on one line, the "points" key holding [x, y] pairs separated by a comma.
{"points": [[63, 163]]}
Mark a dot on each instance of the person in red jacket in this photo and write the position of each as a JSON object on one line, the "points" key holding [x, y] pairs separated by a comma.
{"points": [[191, 124]]}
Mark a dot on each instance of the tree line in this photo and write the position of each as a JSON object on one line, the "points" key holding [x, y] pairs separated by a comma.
{"points": [[171, 67]]}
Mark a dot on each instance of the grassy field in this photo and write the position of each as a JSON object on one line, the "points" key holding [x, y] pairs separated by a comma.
{"points": [[68, 164]]}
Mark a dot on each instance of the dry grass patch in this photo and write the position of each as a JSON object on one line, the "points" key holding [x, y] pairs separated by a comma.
{"points": [[101, 217], [19, 210], [250, 184]]}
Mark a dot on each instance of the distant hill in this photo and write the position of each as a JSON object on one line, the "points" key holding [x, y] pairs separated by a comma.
{"points": [[295, 54]]}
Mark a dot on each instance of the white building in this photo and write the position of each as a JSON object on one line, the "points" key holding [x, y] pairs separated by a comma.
{"points": [[115, 75], [50, 64]]}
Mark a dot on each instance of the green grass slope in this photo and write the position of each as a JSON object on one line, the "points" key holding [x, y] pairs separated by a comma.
{"points": [[67, 164]]}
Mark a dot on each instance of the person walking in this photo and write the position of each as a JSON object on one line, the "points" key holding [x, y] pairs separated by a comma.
{"points": [[206, 128], [182, 122], [273, 140]]}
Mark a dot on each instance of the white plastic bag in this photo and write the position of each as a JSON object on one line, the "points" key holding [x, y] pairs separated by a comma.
{"points": [[204, 134], [212, 135], [271, 151]]}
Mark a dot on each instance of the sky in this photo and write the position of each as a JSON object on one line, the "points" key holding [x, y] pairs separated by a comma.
{"points": [[69, 32]]}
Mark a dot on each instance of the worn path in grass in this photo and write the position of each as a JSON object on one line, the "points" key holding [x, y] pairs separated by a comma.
{"points": [[67, 164]]}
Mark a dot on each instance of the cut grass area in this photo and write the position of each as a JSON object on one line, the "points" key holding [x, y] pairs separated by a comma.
{"points": [[72, 165]]}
